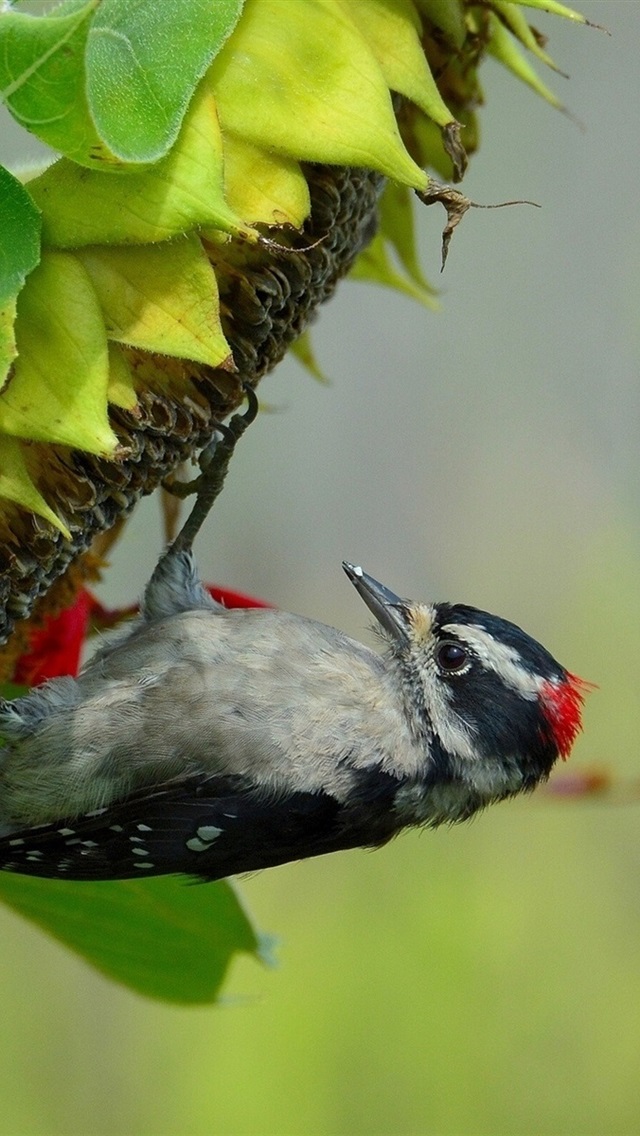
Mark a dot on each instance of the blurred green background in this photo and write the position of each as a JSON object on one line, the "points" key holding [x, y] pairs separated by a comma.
{"points": [[485, 979]]}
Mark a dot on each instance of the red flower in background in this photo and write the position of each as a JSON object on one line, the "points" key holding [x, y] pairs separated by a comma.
{"points": [[234, 599], [55, 649]]}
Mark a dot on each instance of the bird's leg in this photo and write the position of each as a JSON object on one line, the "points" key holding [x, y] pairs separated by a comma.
{"points": [[174, 585], [214, 463]]}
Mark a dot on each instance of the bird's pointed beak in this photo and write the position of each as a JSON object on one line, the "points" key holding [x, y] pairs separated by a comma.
{"points": [[388, 608]]}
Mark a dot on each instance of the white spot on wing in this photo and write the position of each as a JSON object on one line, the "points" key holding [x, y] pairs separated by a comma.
{"points": [[209, 833], [197, 845], [204, 838]]}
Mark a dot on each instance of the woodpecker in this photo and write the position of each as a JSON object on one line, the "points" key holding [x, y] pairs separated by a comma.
{"points": [[210, 742]]}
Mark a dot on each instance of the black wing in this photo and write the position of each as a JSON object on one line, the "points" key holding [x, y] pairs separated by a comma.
{"points": [[205, 827]]}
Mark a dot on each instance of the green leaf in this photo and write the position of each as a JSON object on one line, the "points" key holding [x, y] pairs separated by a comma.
{"points": [[109, 81], [144, 60], [20, 225], [162, 937], [42, 79]]}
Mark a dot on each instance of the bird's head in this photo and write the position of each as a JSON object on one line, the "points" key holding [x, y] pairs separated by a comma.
{"points": [[494, 708]]}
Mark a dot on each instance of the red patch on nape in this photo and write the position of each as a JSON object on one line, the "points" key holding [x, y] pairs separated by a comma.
{"points": [[562, 706]]}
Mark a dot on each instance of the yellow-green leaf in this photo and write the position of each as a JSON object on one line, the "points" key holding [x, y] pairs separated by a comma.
{"points": [[179, 194], [429, 143], [374, 266], [8, 349], [555, 9], [299, 78], [120, 390], [264, 187], [390, 28], [397, 227], [302, 348], [448, 16], [58, 390], [16, 483], [516, 22], [161, 298], [505, 49]]}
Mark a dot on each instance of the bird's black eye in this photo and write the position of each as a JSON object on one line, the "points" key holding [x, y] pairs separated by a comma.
{"points": [[451, 657]]}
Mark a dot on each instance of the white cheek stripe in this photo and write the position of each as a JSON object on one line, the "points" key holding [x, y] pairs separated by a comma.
{"points": [[451, 732], [501, 658]]}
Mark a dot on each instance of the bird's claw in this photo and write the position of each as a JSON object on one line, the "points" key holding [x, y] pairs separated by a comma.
{"points": [[218, 450], [214, 463]]}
